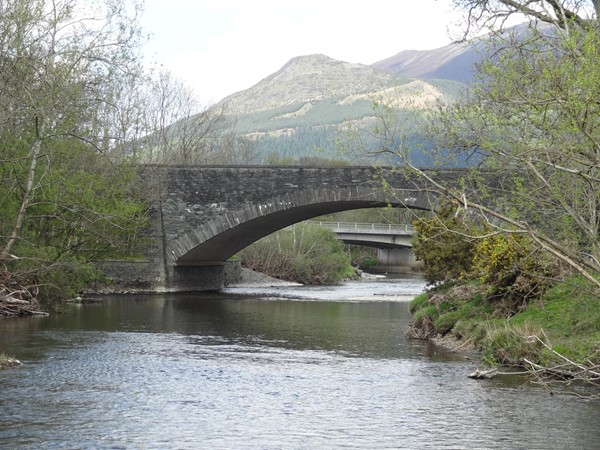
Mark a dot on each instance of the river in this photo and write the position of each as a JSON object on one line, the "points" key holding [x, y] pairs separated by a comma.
{"points": [[281, 367]]}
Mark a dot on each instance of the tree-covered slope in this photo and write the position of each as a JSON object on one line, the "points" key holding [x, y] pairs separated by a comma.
{"points": [[307, 103]]}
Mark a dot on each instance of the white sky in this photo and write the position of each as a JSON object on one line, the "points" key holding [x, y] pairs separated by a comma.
{"points": [[219, 47]]}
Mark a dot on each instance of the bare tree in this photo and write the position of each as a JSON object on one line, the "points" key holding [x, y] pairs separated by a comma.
{"points": [[55, 57], [494, 14], [179, 130]]}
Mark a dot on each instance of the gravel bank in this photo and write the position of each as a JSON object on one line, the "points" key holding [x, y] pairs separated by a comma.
{"points": [[250, 278]]}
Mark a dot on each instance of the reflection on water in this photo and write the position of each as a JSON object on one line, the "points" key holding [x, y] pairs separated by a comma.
{"points": [[249, 370]]}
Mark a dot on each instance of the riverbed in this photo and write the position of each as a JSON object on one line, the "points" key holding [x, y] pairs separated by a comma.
{"points": [[264, 367]]}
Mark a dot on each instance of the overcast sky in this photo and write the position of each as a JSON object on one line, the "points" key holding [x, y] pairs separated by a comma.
{"points": [[219, 47]]}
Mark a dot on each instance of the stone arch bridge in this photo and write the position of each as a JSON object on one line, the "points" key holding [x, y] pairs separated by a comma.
{"points": [[208, 214]]}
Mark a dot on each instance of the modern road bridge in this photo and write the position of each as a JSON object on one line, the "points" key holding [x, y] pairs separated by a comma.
{"points": [[378, 235], [392, 241]]}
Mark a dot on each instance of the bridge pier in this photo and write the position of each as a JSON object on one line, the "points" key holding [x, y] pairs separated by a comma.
{"points": [[197, 278], [396, 260]]}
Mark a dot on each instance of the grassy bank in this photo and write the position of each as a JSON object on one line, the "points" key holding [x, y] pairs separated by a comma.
{"points": [[559, 330]]}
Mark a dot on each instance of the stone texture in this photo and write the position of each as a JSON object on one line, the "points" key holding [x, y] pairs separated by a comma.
{"points": [[207, 214], [211, 213]]}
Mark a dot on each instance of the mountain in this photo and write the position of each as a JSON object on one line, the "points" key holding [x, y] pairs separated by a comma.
{"points": [[455, 61], [452, 62], [314, 105], [310, 103], [303, 105], [311, 78]]}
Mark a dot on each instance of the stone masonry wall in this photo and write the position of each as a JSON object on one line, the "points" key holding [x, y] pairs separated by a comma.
{"points": [[203, 201]]}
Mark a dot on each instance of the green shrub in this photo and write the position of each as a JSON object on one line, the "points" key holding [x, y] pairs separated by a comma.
{"points": [[369, 262], [514, 269], [442, 245], [304, 253]]}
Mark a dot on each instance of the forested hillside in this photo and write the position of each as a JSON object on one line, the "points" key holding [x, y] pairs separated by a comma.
{"points": [[311, 105]]}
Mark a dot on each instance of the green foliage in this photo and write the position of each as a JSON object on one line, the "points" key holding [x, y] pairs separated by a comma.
{"points": [[368, 262], [303, 253], [66, 196], [444, 245], [543, 146], [454, 247], [513, 268], [566, 317], [59, 279], [92, 206], [86, 208]]}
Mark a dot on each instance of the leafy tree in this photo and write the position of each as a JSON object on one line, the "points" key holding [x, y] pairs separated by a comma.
{"points": [[532, 119], [445, 243], [64, 198], [534, 116]]}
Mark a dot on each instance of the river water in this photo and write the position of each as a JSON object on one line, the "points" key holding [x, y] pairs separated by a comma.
{"points": [[284, 367]]}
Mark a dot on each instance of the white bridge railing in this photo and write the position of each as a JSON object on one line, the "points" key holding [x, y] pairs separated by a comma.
{"points": [[370, 228]]}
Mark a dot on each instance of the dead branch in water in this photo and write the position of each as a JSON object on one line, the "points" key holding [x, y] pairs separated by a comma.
{"points": [[16, 299]]}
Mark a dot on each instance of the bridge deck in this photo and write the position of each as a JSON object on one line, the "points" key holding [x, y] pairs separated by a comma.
{"points": [[366, 228]]}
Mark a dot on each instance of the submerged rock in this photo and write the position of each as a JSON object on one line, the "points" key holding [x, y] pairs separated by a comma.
{"points": [[9, 362]]}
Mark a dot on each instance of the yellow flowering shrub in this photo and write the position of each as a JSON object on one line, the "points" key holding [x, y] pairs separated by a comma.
{"points": [[511, 266]]}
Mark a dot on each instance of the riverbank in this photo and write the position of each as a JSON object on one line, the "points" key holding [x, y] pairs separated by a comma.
{"points": [[10, 306], [251, 278], [17, 300], [557, 334]]}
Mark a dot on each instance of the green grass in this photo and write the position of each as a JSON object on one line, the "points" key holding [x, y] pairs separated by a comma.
{"points": [[418, 302], [368, 262], [569, 315], [567, 318], [4, 358]]}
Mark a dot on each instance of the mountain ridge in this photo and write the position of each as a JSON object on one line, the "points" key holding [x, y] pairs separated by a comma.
{"points": [[310, 78], [455, 61], [311, 99], [451, 62]]}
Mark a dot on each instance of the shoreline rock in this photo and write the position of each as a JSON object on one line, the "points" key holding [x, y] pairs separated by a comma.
{"points": [[9, 362]]}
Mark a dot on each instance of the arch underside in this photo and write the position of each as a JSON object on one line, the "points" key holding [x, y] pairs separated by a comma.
{"points": [[228, 237]]}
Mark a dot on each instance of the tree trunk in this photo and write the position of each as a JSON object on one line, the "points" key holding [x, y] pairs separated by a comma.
{"points": [[34, 154]]}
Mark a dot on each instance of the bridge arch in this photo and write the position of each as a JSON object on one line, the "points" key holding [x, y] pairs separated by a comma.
{"points": [[208, 214], [222, 237]]}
